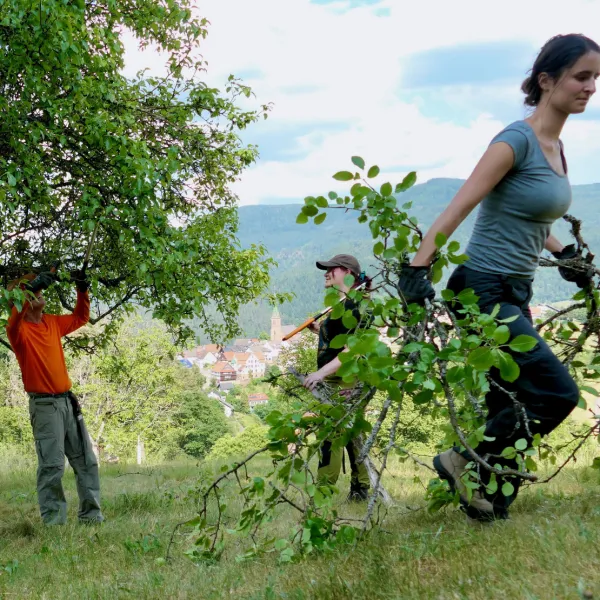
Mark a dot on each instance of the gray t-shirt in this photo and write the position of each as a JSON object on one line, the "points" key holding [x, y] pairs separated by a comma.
{"points": [[515, 218]]}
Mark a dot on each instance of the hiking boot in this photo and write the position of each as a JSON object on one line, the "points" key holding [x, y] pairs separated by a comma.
{"points": [[358, 493], [450, 465]]}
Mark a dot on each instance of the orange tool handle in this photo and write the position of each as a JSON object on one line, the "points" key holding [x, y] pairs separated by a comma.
{"points": [[305, 324]]}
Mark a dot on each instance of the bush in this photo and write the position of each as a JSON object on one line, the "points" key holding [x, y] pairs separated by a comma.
{"points": [[252, 438]]}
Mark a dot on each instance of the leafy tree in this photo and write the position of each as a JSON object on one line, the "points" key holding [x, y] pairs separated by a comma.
{"points": [[237, 399], [131, 389], [148, 160], [200, 422], [263, 335], [262, 410]]}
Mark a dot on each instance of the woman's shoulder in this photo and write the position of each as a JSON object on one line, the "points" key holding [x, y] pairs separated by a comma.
{"points": [[521, 126]]}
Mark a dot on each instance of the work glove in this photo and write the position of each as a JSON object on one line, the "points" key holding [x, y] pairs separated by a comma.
{"points": [[574, 275], [414, 286], [42, 282], [81, 282]]}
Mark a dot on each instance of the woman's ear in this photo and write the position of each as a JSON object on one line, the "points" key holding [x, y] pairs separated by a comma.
{"points": [[545, 82]]}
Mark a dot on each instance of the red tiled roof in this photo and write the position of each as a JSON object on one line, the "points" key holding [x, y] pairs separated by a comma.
{"points": [[222, 367]]}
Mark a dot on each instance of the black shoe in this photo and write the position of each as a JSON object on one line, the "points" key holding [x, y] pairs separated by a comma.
{"points": [[358, 493]]}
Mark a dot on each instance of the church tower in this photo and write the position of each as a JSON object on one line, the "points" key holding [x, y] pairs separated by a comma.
{"points": [[276, 333]]}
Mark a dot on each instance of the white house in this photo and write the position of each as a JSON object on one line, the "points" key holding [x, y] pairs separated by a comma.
{"points": [[256, 367], [205, 359]]}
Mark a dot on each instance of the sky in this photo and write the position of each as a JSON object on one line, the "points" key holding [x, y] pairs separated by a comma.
{"points": [[420, 86]]}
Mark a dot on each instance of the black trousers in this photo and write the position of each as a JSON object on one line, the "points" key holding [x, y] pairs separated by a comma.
{"points": [[544, 386]]}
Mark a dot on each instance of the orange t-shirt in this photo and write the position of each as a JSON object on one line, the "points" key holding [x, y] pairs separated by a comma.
{"points": [[38, 346]]}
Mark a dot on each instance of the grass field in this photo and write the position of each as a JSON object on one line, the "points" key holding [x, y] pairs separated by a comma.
{"points": [[550, 548]]}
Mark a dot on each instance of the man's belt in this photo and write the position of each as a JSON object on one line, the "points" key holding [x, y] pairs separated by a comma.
{"points": [[38, 395]]}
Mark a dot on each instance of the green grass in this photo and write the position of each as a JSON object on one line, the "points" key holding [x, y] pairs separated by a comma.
{"points": [[550, 548]]}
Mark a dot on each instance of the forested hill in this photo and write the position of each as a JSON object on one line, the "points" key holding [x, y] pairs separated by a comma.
{"points": [[296, 247]]}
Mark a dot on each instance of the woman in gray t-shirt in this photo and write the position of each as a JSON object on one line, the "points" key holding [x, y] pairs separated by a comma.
{"points": [[521, 187]]}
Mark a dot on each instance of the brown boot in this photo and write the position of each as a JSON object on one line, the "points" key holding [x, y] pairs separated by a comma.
{"points": [[450, 465]]}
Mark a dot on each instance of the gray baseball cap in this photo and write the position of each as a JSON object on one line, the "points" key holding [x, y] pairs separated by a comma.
{"points": [[340, 260]]}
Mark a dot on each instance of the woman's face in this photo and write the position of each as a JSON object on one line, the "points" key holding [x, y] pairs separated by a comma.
{"points": [[334, 277], [573, 90]]}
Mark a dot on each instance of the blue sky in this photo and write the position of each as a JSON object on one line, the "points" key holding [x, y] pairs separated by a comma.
{"points": [[409, 86]]}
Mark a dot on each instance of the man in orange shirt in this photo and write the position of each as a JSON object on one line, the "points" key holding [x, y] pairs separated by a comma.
{"points": [[56, 419]]}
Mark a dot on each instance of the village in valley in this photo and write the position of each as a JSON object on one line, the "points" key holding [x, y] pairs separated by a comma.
{"points": [[246, 359], [237, 364]]}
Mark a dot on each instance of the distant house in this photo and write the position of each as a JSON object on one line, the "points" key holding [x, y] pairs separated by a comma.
{"points": [[226, 386], [185, 362], [228, 356], [256, 364], [537, 312], [269, 350], [214, 348], [246, 343], [223, 371], [206, 359], [257, 399]]}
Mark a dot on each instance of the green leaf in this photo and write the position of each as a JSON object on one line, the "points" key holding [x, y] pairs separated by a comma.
{"points": [[11, 180], [322, 202], [343, 176], [280, 544], [407, 182], [447, 295], [509, 319], [509, 452], [453, 246], [440, 239], [301, 219], [589, 390], [373, 172], [509, 369], [386, 189], [378, 248], [320, 218], [310, 210], [521, 444], [481, 359], [349, 320], [332, 195], [523, 343], [501, 335], [358, 161], [508, 489], [339, 341]]}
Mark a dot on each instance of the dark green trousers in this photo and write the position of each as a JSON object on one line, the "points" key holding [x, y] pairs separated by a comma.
{"points": [[330, 465], [57, 434]]}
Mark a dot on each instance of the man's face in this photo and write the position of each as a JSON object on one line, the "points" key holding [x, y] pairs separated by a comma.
{"points": [[38, 301]]}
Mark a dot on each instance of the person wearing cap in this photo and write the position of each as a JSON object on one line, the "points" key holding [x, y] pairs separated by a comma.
{"points": [[58, 428], [328, 363]]}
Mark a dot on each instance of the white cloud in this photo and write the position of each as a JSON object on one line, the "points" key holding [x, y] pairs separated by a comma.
{"points": [[351, 62]]}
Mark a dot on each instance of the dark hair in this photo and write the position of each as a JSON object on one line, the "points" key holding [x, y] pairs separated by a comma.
{"points": [[363, 279], [556, 56]]}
